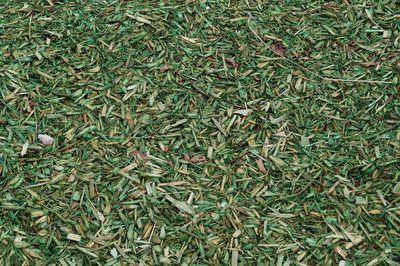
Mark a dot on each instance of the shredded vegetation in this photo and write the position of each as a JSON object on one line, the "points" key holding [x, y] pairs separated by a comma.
{"points": [[199, 132]]}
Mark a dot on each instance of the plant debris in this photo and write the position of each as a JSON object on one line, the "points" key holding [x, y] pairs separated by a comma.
{"points": [[45, 139], [199, 133], [195, 158], [232, 62], [139, 154], [278, 48]]}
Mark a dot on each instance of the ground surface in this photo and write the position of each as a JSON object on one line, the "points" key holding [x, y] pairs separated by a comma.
{"points": [[200, 133]]}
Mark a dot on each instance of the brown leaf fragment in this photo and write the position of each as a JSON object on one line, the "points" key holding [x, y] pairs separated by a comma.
{"points": [[195, 158], [352, 43], [369, 63], [7, 54], [198, 158], [278, 48], [232, 62], [261, 166], [165, 68], [330, 5]]}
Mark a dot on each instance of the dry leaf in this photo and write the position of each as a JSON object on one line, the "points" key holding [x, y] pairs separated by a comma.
{"points": [[45, 139], [353, 43], [198, 158], [369, 63], [31, 104], [330, 5], [261, 167], [232, 62], [278, 48], [375, 211], [165, 68], [195, 159]]}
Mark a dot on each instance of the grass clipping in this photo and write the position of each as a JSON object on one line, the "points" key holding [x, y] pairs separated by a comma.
{"points": [[199, 133]]}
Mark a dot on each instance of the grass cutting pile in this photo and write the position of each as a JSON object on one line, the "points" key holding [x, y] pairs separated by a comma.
{"points": [[199, 132]]}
